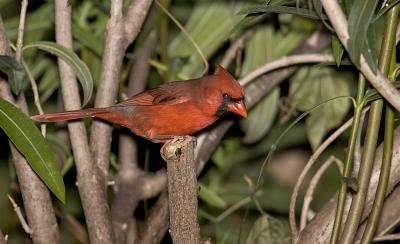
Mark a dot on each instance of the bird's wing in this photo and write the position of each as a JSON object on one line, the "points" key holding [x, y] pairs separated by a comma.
{"points": [[162, 95]]}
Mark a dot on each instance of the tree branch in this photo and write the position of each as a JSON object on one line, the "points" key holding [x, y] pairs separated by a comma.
{"points": [[121, 32], [182, 190], [131, 180], [2, 238], [157, 223], [378, 81], [36, 197], [91, 189]]}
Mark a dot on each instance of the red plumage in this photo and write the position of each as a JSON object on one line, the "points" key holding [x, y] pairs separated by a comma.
{"points": [[174, 109]]}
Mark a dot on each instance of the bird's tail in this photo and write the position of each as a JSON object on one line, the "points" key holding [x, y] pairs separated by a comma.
{"points": [[69, 115]]}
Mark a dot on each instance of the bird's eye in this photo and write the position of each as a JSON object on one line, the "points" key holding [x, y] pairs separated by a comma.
{"points": [[226, 96]]}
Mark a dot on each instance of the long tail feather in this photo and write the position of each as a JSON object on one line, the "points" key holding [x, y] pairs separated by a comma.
{"points": [[69, 115]]}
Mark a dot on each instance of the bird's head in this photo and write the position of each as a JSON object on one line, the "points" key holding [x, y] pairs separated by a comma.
{"points": [[230, 93]]}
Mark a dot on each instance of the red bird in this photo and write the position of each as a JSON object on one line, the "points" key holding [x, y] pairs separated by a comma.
{"points": [[175, 109]]}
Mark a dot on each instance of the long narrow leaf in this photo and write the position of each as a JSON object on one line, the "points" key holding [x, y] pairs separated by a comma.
{"points": [[385, 9], [337, 50], [359, 19], [28, 140], [259, 9], [79, 67]]}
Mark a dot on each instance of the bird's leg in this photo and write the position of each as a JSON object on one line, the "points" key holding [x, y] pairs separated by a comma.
{"points": [[168, 139]]}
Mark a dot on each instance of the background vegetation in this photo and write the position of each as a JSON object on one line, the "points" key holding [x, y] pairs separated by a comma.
{"points": [[245, 184]]}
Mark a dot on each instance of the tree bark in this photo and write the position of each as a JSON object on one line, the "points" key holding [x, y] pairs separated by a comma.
{"points": [[182, 190]]}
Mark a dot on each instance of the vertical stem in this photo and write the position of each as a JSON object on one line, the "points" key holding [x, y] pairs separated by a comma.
{"points": [[357, 205], [163, 33], [348, 166], [2, 238], [373, 221], [20, 39]]}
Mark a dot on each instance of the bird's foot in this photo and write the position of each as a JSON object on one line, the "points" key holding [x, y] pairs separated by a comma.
{"points": [[173, 140]]}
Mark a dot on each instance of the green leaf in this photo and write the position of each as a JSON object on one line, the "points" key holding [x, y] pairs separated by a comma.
{"points": [[210, 25], [15, 73], [370, 50], [383, 10], [261, 117], [92, 42], [373, 94], [30, 142], [268, 230], [359, 19], [49, 83], [346, 5], [259, 50], [79, 67], [209, 196], [264, 46], [337, 49], [37, 24], [224, 149], [260, 9], [312, 85]]}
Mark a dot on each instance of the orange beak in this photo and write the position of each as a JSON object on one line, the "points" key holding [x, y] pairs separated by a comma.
{"points": [[238, 108]]}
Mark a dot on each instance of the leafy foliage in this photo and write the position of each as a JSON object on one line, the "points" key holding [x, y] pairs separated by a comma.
{"points": [[360, 18], [268, 230], [311, 86], [277, 28], [79, 67], [28, 140]]}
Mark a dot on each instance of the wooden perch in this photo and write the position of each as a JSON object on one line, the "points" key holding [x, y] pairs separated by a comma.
{"points": [[182, 190]]}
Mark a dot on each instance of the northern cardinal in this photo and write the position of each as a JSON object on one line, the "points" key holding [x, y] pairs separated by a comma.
{"points": [[175, 109]]}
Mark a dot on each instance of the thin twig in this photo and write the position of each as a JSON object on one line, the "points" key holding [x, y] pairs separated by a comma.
{"points": [[287, 61], [73, 225], [21, 27], [378, 81], [388, 237], [36, 96], [198, 49], [21, 218], [308, 197], [233, 49], [310, 163]]}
